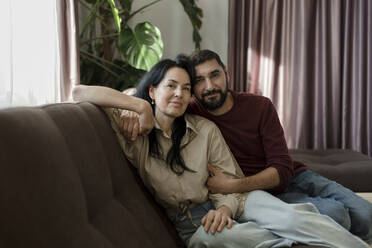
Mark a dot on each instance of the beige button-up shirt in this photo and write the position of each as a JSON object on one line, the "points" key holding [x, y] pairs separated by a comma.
{"points": [[202, 144]]}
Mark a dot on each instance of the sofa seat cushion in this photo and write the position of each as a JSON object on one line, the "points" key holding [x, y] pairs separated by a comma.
{"points": [[349, 168]]}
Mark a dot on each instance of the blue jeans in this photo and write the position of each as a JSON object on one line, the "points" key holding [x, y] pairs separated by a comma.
{"points": [[344, 206], [267, 222]]}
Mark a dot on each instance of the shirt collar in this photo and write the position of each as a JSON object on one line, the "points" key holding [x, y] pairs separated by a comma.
{"points": [[191, 130]]}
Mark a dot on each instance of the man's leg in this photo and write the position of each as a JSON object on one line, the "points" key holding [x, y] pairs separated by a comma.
{"points": [[324, 194], [327, 206], [298, 222]]}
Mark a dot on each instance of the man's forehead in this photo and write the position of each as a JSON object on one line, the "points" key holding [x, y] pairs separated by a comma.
{"points": [[207, 67]]}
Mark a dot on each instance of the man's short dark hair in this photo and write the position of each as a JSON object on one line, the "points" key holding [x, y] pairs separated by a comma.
{"points": [[200, 56]]}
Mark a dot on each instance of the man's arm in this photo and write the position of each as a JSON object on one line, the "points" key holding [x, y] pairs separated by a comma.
{"points": [[279, 166], [220, 183]]}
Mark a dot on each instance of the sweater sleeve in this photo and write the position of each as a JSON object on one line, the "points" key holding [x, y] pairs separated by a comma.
{"points": [[275, 146]]}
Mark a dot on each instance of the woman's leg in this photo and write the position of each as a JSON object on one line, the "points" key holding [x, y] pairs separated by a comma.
{"points": [[245, 235], [241, 235], [299, 222]]}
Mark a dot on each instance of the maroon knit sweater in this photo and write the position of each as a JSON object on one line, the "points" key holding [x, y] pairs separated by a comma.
{"points": [[255, 136]]}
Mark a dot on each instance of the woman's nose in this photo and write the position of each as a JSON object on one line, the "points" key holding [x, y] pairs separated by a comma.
{"points": [[178, 92]]}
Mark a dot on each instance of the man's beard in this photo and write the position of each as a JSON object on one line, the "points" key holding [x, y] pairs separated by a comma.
{"points": [[213, 104]]}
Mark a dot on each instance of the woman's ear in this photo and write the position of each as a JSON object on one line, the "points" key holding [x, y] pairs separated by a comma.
{"points": [[151, 92]]}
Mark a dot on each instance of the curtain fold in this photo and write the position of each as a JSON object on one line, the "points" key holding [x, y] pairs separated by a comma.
{"points": [[237, 42], [39, 52], [313, 59], [68, 46]]}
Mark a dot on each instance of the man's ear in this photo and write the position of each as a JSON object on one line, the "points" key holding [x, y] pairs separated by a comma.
{"points": [[226, 74]]}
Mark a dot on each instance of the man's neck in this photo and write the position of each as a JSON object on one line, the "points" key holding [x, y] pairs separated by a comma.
{"points": [[226, 106]]}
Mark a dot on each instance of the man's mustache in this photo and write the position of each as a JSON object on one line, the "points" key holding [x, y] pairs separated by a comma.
{"points": [[211, 92]]}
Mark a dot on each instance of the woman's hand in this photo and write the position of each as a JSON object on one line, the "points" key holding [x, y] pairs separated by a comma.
{"points": [[129, 124], [216, 220], [146, 118]]}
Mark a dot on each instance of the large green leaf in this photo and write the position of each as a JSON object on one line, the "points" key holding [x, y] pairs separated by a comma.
{"points": [[142, 48]]}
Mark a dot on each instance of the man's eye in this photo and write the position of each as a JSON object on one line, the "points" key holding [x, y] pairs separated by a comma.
{"points": [[170, 85], [186, 89]]}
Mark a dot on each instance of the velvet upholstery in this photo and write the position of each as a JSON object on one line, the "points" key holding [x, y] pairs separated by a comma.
{"points": [[349, 168], [64, 182]]}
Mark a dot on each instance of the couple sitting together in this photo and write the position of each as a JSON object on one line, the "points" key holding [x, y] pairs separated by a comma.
{"points": [[217, 161]]}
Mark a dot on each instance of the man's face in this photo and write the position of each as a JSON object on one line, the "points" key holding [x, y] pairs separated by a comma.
{"points": [[211, 84]]}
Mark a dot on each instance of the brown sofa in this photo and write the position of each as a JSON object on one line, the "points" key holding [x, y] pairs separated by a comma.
{"points": [[64, 183]]}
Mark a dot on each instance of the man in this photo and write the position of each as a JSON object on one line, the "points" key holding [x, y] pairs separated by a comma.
{"points": [[252, 129]]}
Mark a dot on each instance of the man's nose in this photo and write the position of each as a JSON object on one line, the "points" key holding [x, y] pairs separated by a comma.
{"points": [[208, 84]]}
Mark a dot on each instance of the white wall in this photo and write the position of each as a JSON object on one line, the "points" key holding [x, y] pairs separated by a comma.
{"points": [[176, 29]]}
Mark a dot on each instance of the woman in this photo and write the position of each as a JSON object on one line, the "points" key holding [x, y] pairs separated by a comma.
{"points": [[172, 162]]}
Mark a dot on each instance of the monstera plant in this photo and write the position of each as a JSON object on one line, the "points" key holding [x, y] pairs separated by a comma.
{"points": [[114, 54]]}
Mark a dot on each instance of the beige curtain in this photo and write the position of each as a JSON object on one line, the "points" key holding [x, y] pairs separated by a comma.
{"points": [[68, 46], [313, 58]]}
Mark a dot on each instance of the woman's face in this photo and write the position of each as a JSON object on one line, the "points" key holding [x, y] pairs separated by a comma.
{"points": [[172, 94]]}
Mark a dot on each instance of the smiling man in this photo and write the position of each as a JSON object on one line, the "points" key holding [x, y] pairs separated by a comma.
{"points": [[252, 130]]}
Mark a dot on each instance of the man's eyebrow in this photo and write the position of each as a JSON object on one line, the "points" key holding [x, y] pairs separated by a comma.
{"points": [[215, 71]]}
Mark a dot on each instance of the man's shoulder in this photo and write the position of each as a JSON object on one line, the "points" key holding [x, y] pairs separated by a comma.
{"points": [[249, 98]]}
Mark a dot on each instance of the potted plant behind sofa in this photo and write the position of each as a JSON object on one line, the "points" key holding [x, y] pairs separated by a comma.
{"points": [[115, 55]]}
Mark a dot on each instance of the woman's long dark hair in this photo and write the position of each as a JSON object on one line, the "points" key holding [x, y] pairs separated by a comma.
{"points": [[153, 78]]}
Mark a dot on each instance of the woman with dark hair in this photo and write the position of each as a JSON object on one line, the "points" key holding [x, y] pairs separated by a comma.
{"points": [[172, 161]]}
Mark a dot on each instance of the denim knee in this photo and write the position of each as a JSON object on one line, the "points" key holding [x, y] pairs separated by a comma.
{"points": [[340, 214], [362, 224]]}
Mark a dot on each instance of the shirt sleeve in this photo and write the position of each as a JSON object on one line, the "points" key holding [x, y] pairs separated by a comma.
{"points": [[275, 146], [221, 157], [135, 151]]}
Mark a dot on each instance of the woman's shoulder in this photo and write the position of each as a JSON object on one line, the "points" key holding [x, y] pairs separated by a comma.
{"points": [[199, 123]]}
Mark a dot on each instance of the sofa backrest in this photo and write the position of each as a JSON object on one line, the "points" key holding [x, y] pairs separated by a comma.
{"points": [[64, 182]]}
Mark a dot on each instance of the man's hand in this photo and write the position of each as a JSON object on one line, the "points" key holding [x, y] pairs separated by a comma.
{"points": [[216, 220], [129, 124], [219, 182]]}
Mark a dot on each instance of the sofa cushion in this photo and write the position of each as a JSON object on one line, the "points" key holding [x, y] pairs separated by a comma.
{"points": [[349, 168], [64, 182]]}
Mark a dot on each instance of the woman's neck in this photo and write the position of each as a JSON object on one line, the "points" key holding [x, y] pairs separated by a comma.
{"points": [[165, 122]]}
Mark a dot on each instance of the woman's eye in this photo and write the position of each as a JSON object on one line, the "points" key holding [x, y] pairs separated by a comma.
{"points": [[186, 89], [170, 85]]}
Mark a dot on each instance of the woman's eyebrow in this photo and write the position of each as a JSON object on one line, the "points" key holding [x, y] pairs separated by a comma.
{"points": [[175, 81]]}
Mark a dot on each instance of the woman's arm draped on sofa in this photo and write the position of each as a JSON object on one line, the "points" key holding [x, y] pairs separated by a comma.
{"points": [[107, 97]]}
